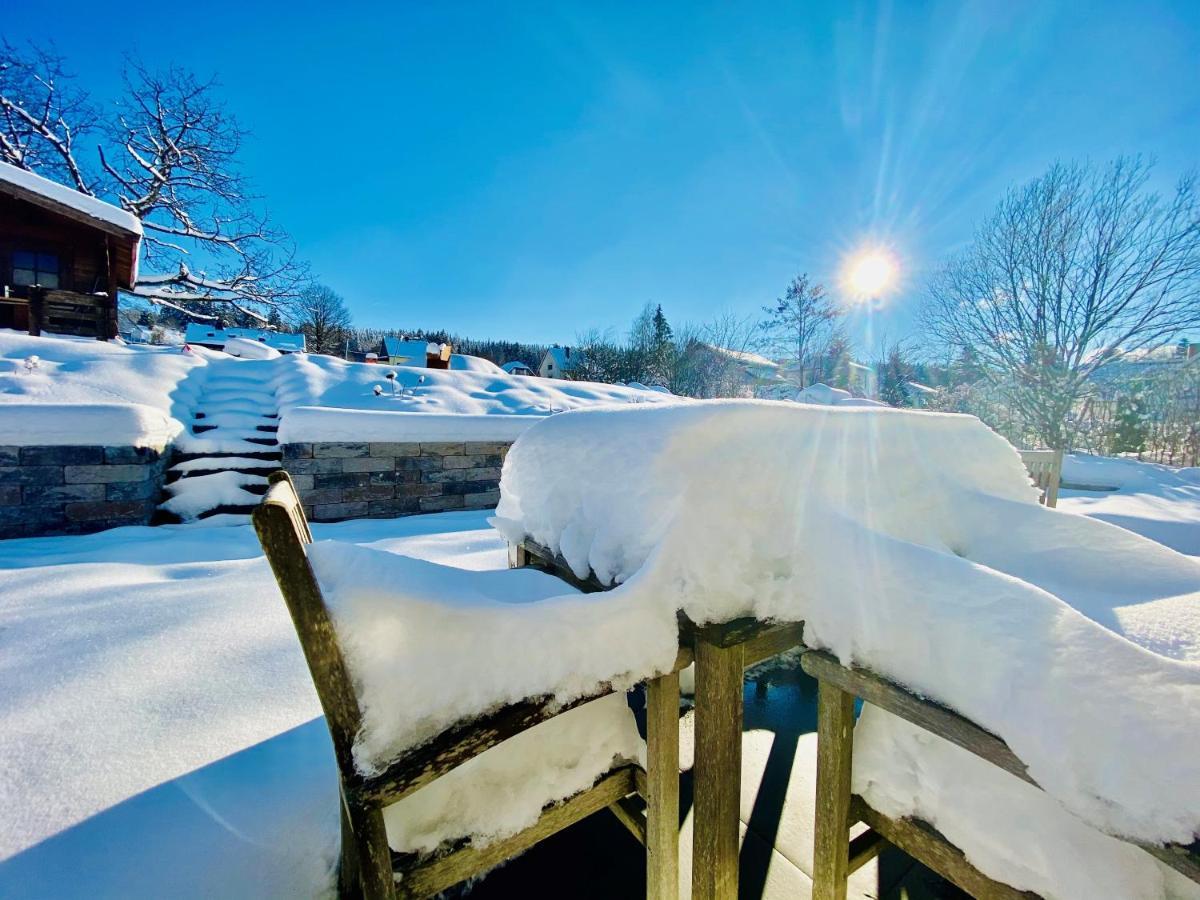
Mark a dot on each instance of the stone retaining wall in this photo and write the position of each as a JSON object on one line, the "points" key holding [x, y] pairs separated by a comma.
{"points": [[383, 479], [47, 490]]}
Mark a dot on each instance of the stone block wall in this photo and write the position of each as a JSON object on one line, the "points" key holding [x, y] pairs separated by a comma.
{"points": [[383, 479], [48, 490]]}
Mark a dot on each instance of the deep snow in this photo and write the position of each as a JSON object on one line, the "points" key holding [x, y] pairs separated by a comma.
{"points": [[909, 543], [334, 400], [1160, 502]]}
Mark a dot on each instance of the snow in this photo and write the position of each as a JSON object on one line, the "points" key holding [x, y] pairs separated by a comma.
{"points": [[510, 635], [109, 424], [316, 381], [159, 727], [93, 378], [77, 371], [315, 423], [245, 348], [60, 193], [200, 493], [1024, 836], [908, 542], [1158, 502], [504, 789], [461, 362]]}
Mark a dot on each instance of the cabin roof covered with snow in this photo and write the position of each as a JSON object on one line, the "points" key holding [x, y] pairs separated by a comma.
{"points": [[516, 367], [67, 202], [207, 335], [415, 350]]}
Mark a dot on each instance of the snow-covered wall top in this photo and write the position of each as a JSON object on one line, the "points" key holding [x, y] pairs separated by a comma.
{"points": [[312, 424], [83, 373], [96, 424], [60, 193], [911, 543]]}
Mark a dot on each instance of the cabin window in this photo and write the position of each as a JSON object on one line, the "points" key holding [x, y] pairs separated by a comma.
{"points": [[31, 268]]}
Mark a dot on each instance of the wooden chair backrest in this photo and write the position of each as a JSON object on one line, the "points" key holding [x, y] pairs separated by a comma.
{"points": [[1045, 468], [284, 534]]}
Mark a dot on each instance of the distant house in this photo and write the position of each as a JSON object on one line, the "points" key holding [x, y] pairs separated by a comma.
{"points": [[557, 362], [422, 354], [64, 256], [516, 367], [214, 338]]}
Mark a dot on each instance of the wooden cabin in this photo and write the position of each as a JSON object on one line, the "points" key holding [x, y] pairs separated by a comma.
{"points": [[64, 256]]}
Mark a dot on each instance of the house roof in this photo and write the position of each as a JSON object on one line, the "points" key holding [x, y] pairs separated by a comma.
{"points": [[287, 342], [67, 202], [409, 349], [512, 365]]}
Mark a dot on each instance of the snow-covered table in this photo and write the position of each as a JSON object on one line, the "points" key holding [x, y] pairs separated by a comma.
{"points": [[912, 545]]}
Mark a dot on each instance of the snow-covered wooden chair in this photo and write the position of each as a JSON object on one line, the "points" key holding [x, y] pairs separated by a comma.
{"points": [[836, 856], [368, 867], [1045, 468]]}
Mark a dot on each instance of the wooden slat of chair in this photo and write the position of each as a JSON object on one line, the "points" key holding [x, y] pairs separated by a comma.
{"points": [[366, 863], [916, 838]]}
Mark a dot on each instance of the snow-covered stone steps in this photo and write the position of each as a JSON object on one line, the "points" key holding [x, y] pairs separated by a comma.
{"points": [[232, 395], [224, 419], [254, 452], [193, 498], [206, 465], [230, 446]]}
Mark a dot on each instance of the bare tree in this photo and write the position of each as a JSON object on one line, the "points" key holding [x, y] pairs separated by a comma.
{"points": [[42, 113], [171, 161], [801, 323], [1071, 269], [322, 315], [702, 368]]}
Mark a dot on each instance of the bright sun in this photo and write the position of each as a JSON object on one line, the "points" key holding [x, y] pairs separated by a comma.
{"points": [[870, 273]]}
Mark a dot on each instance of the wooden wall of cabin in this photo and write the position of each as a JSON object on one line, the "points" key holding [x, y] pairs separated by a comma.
{"points": [[81, 251]]}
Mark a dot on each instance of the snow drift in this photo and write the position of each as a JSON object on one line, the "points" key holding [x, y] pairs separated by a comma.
{"points": [[910, 543]]}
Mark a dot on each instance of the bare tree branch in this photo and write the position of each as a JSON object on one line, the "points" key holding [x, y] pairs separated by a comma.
{"points": [[1071, 270]]}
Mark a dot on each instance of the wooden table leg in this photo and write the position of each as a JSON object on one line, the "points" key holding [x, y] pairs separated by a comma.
{"points": [[717, 771], [662, 788], [835, 748]]}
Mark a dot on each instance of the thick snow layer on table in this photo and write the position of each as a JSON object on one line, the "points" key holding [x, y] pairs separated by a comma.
{"points": [[316, 423], [504, 789], [911, 543], [1159, 502], [464, 643], [60, 193], [110, 424], [83, 372]]}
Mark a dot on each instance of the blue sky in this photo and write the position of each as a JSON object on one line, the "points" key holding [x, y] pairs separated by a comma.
{"points": [[530, 171]]}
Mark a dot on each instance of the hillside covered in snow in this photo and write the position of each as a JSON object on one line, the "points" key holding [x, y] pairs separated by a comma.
{"points": [[167, 382]]}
